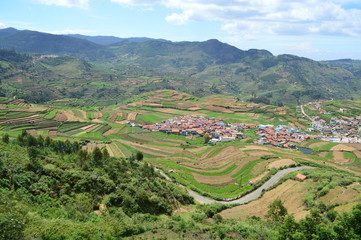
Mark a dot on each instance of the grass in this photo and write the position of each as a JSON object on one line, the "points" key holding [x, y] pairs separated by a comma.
{"points": [[326, 147], [349, 155], [51, 114]]}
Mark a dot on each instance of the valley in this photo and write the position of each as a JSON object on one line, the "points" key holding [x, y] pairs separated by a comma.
{"points": [[139, 138]]}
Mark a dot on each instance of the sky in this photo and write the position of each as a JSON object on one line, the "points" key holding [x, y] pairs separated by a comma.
{"points": [[316, 29]]}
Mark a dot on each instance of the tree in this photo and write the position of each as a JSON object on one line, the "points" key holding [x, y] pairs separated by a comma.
{"points": [[206, 137], [288, 228], [105, 153], [276, 211], [97, 157], [82, 157], [5, 138], [139, 156]]}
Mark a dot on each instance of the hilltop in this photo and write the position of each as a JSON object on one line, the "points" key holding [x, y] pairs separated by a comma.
{"points": [[126, 67]]}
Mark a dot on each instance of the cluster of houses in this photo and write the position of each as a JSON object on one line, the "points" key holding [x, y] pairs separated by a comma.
{"points": [[280, 136], [218, 130], [342, 127]]}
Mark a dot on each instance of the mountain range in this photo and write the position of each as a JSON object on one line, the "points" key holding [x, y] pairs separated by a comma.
{"points": [[130, 66]]}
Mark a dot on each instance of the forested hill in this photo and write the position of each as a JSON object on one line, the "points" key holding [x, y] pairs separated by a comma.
{"points": [[198, 68], [37, 42]]}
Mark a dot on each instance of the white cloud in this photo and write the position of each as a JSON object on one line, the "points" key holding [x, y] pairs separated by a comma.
{"points": [[2, 25], [136, 2], [279, 17], [66, 3]]}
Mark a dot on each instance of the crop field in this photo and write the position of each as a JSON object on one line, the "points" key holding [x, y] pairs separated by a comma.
{"points": [[221, 171], [225, 170], [291, 191]]}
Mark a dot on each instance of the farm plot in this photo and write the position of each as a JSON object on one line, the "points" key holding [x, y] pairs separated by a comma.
{"points": [[342, 195], [13, 120], [69, 126], [90, 146], [291, 191], [114, 150]]}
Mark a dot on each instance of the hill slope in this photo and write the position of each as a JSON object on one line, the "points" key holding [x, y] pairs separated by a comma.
{"points": [[140, 65], [44, 43]]}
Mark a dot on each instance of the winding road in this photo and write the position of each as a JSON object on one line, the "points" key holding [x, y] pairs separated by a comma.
{"points": [[253, 195]]}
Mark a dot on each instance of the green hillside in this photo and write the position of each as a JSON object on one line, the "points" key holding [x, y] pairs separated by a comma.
{"points": [[118, 71]]}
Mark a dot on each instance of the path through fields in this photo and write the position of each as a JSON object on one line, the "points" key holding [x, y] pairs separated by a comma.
{"points": [[253, 195]]}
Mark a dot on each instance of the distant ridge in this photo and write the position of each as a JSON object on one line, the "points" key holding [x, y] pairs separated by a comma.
{"points": [[107, 40], [199, 68], [27, 41]]}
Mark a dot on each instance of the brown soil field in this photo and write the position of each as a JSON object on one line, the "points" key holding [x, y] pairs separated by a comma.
{"points": [[357, 153], [165, 110], [82, 114], [112, 131], [113, 117], [339, 157], [290, 192], [281, 163], [343, 147], [259, 153], [87, 126], [31, 131], [340, 195], [255, 147], [194, 108], [98, 115], [97, 120], [132, 116], [70, 115], [60, 117], [357, 146], [90, 146]]}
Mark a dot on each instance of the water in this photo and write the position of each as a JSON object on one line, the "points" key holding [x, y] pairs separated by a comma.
{"points": [[305, 150]]}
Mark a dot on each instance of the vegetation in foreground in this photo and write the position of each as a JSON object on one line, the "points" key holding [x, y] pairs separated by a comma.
{"points": [[54, 190]]}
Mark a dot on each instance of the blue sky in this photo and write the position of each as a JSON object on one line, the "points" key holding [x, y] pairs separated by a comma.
{"points": [[317, 29]]}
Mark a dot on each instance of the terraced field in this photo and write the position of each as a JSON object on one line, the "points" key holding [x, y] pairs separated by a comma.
{"points": [[223, 171]]}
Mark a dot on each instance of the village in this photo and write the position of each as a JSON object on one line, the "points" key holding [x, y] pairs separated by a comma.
{"points": [[337, 130], [220, 131]]}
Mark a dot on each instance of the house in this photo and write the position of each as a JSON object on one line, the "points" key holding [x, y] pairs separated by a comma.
{"points": [[300, 177]]}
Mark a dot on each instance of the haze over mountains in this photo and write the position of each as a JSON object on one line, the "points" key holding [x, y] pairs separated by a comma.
{"points": [[199, 68]]}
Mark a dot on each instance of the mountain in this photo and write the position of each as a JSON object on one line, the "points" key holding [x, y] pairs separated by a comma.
{"points": [[351, 65], [44, 43], [134, 66], [107, 40], [212, 67]]}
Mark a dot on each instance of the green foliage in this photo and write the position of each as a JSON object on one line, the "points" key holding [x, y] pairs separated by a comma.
{"points": [[276, 211], [139, 156], [206, 137], [5, 138]]}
